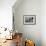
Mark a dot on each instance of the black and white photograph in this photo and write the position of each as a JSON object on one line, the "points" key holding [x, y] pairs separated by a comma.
{"points": [[29, 19]]}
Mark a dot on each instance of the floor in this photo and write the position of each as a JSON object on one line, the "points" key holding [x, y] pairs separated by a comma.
{"points": [[9, 43]]}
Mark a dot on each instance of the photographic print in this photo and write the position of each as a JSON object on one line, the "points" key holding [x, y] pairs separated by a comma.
{"points": [[29, 19]]}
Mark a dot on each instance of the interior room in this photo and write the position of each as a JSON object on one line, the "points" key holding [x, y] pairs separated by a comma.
{"points": [[22, 22]]}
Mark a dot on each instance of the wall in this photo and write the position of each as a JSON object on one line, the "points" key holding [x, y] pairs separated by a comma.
{"points": [[43, 22], [6, 13], [28, 7]]}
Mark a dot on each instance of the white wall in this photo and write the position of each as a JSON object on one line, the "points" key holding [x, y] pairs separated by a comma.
{"points": [[6, 13], [29, 7], [36, 32], [43, 22]]}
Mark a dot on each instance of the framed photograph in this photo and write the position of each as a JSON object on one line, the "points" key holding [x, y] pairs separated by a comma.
{"points": [[29, 19]]}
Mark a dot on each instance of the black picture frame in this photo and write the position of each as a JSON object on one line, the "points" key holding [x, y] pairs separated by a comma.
{"points": [[29, 19]]}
